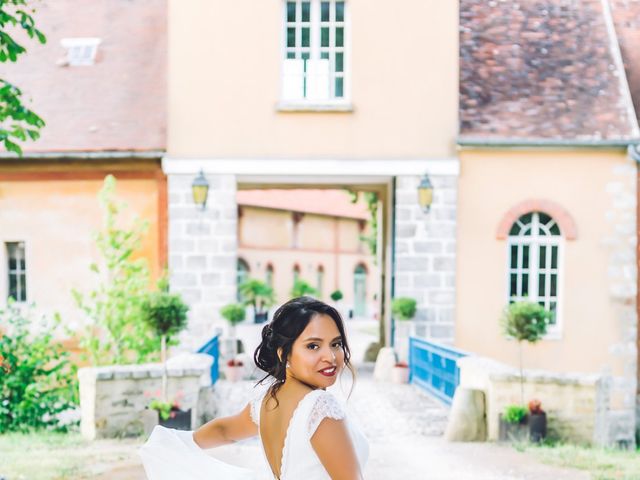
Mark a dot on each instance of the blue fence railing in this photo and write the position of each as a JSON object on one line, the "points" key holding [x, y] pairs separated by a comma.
{"points": [[212, 347], [434, 368]]}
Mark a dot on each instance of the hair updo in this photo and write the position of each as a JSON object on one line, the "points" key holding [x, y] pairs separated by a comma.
{"points": [[288, 323]]}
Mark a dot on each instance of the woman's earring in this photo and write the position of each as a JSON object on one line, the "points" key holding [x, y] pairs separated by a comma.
{"points": [[288, 365]]}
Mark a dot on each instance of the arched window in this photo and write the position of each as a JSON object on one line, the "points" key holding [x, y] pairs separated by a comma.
{"points": [[269, 275], [320, 280], [535, 253], [360, 291], [242, 274]]}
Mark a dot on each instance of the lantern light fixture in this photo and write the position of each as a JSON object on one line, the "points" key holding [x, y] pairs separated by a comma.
{"points": [[200, 190], [425, 194]]}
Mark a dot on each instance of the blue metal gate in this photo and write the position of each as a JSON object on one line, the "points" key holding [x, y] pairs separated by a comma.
{"points": [[212, 347], [434, 368]]}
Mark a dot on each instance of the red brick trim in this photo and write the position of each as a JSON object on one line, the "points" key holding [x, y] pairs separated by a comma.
{"points": [[559, 214]]}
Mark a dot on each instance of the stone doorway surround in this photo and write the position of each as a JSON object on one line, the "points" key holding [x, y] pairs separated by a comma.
{"points": [[419, 249]]}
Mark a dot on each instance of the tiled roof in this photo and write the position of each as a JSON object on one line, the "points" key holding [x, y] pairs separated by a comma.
{"points": [[626, 15], [335, 203], [119, 103], [542, 70]]}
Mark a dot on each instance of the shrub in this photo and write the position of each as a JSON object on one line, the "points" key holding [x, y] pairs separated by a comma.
{"points": [[37, 380], [514, 414], [115, 333], [403, 308], [257, 294], [234, 313], [336, 296], [302, 288]]}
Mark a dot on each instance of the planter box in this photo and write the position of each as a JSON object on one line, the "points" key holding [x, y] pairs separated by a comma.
{"points": [[180, 420], [513, 432], [261, 317]]}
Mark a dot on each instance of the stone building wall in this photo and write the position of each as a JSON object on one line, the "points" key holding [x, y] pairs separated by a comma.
{"points": [[425, 260], [202, 252]]}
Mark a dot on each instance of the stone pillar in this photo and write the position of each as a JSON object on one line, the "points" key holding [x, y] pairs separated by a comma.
{"points": [[425, 261], [623, 290], [203, 252]]}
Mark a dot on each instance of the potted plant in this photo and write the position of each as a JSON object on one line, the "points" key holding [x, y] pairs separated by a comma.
{"points": [[400, 373], [336, 296], [260, 296], [234, 370], [513, 424], [301, 288], [233, 313], [537, 421], [403, 310], [166, 315], [524, 322]]}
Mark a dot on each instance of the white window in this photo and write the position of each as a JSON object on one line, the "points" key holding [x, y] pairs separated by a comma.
{"points": [[315, 63], [17, 270], [535, 259], [81, 51]]}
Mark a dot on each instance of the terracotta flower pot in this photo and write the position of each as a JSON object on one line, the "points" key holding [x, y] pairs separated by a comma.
{"points": [[400, 375]]}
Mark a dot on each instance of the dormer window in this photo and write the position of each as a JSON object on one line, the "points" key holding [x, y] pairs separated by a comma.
{"points": [[81, 51]]}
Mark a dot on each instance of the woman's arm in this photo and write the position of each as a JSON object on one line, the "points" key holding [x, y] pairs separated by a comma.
{"points": [[225, 430], [332, 443]]}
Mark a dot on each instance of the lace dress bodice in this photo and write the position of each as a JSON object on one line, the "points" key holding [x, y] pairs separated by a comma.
{"points": [[299, 460]]}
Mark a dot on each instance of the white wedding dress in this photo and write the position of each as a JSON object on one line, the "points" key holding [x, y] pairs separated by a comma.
{"points": [[173, 455]]}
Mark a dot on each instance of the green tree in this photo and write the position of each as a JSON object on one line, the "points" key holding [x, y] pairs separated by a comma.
{"points": [[17, 122], [524, 322], [117, 332], [302, 288], [258, 294]]}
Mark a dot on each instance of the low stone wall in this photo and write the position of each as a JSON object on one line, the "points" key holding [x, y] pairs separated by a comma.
{"points": [[113, 399], [577, 406]]}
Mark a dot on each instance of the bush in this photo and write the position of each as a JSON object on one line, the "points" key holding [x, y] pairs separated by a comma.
{"points": [[258, 294], [514, 414], [233, 313], [403, 308], [336, 296], [302, 288], [525, 321], [37, 380], [165, 313]]}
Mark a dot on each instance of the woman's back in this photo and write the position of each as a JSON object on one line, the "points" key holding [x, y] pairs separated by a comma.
{"points": [[286, 436]]}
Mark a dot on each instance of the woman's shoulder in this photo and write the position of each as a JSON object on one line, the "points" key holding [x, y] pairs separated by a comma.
{"points": [[323, 405]]}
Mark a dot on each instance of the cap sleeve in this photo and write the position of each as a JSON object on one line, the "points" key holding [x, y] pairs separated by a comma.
{"points": [[255, 404], [325, 406]]}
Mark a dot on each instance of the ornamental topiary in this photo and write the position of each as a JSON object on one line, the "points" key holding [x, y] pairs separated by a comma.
{"points": [[336, 295], [524, 322], [403, 308], [233, 313]]}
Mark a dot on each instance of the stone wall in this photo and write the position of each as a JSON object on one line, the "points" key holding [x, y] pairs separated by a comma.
{"points": [[113, 399], [425, 260], [623, 290], [202, 253], [578, 406]]}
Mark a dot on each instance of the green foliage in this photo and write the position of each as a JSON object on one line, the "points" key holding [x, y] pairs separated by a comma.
{"points": [[302, 288], [17, 123], [37, 380], [234, 313], [525, 321], [117, 332], [336, 296], [165, 313], [258, 294], [514, 413], [163, 408], [371, 199], [403, 308]]}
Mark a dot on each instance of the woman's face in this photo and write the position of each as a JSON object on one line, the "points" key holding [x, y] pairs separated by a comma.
{"points": [[317, 357]]}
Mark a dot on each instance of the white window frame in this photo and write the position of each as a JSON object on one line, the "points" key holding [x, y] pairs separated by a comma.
{"points": [[81, 51], [534, 242], [5, 279], [332, 103]]}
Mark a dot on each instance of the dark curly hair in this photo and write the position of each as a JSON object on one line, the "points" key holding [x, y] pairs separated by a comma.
{"points": [[288, 323]]}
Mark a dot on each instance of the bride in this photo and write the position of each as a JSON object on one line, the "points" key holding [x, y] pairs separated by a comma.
{"points": [[303, 430]]}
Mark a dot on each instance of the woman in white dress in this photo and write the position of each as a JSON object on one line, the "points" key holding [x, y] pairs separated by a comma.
{"points": [[304, 431]]}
